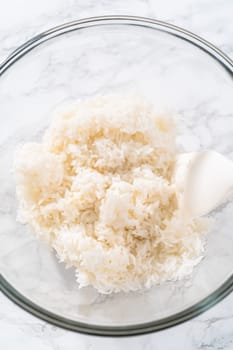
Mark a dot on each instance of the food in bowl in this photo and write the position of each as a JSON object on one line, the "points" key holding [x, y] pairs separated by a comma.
{"points": [[100, 190]]}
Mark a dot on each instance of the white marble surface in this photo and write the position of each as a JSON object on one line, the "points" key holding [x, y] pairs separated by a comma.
{"points": [[19, 20]]}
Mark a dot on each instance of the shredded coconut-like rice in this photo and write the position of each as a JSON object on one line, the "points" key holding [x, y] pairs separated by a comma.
{"points": [[99, 190]]}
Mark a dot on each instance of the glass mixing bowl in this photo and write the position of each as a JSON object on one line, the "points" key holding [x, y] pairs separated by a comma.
{"points": [[175, 69]]}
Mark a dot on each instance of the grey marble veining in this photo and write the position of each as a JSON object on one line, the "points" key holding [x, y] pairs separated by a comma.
{"points": [[211, 19]]}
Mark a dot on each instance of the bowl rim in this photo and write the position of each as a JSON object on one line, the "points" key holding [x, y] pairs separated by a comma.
{"points": [[142, 328]]}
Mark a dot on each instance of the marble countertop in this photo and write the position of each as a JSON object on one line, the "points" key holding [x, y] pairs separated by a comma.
{"points": [[211, 19]]}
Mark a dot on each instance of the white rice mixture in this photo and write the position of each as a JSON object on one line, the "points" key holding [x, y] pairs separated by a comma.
{"points": [[99, 190]]}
